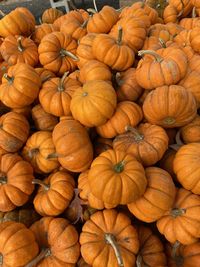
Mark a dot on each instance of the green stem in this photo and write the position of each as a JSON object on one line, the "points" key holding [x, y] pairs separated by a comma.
{"points": [[177, 258], [84, 24], [95, 5], [64, 53], [8, 78], [43, 254], [33, 152], [137, 135], [41, 183], [61, 87], [177, 212], [19, 44], [3, 178], [110, 239], [2, 13], [1, 259], [119, 167], [120, 34], [162, 42], [157, 57], [52, 156]]}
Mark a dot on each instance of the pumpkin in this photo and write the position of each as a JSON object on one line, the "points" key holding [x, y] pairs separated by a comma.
{"points": [[56, 94], [181, 223], [50, 15], [171, 14], [84, 49], [40, 152], [14, 131], [95, 70], [158, 5], [54, 194], [100, 99], [126, 114], [160, 31], [147, 143], [194, 39], [183, 40], [16, 176], [122, 177], [20, 86], [190, 133], [112, 51], [103, 21], [194, 63], [18, 244], [25, 111], [16, 49], [112, 234], [82, 263], [41, 31], [163, 107], [153, 43], [44, 74], [58, 242], [3, 69], [188, 155], [18, 22], [166, 163], [158, 197], [190, 23], [74, 28], [101, 144], [151, 252], [43, 121], [183, 6], [134, 32], [156, 68], [57, 52], [73, 146], [127, 87]]}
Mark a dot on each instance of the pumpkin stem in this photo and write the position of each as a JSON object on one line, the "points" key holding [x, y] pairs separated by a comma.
{"points": [[46, 78], [52, 156], [19, 44], [162, 42], [1, 259], [95, 5], [118, 79], [64, 53], [177, 212], [110, 239], [43, 254], [61, 87], [84, 24], [177, 258], [119, 167], [33, 152], [2, 13], [169, 120], [194, 14], [140, 262], [120, 33], [157, 57], [8, 78], [3, 178], [91, 10], [137, 135], [41, 183]]}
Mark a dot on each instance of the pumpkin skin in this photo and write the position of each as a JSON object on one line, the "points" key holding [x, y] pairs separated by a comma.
{"points": [[190, 133], [161, 106], [188, 155], [194, 63], [112, 52], [20, 86], [100, 99], [15, 182], [40, 152], [166, 163], [159, 65], [43, 121], [50, 15], [17, 49], [134, 32], [152, 43], [73, 146], [158, 197], [126, 114], [84, 49], [127, 87], [60, 241], [151, 251], [147, 143], [94, 232], [18, 245], [194, 39], [170, 14], [103, 21], [190, 23], [101, 144], [182, 222], [54, 194], [25, 111], [82, 263], [44, 74], [18, 22], [182, 5], [57, 52], [95, 70], [14, 131], [118, 185], [56, 93], [41, 31]]}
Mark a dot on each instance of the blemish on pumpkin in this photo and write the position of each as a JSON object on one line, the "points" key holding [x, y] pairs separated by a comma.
{"points": [[85, 94]]}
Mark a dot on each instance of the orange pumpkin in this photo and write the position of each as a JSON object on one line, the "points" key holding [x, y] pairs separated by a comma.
{"points": [[194, 39], [190, 133], [41, 31], [123, 180], [166, 163], [112, 234], [50, 15], [101, 144], [184, 6], [171, 14], [44, 74], [158, 197], [16, 176]]}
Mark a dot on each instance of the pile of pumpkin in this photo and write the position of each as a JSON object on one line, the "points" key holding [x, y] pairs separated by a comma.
{"points": [[100, 137]]}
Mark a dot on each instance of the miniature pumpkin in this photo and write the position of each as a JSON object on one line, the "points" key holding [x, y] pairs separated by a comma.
{"points": [[25, 111], [41, 31], [40, 152], [181, 223], [97, 98], [190, 133], [171, 14], [122, 178], [16, 176], [14, 131], [158, 197], [50, 15], [147, 143], [166, 163], [54, 194], [18, 244], [126, 114], [112, 234], [163, 107], [184, 6], [194, 39], [44, 74], [73, 146], [20, 86]]}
